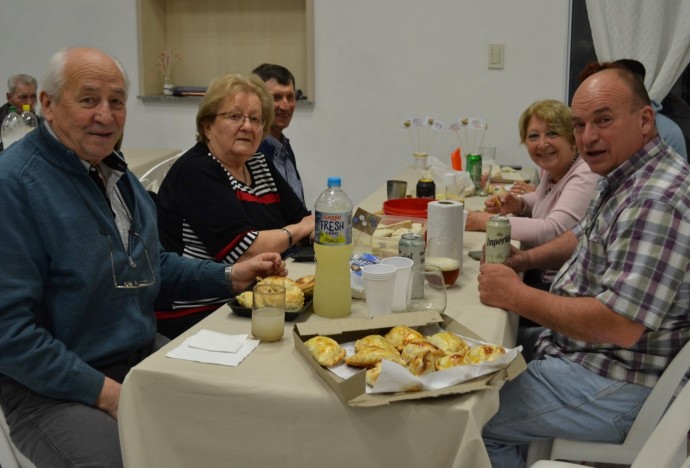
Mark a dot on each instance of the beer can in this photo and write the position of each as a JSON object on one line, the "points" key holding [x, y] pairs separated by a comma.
{"points": [[412, 246], [497, 239], [426, 188], [474, 168]]}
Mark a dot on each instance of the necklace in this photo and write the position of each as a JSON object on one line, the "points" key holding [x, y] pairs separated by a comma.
{"points": [[553, 183]]}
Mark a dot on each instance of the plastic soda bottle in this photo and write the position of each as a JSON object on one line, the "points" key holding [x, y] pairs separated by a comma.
{"points": [[13, 128], [332, 249], [29, 118]]}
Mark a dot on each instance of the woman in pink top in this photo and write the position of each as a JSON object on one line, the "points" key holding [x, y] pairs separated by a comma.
{"points": [[567, 184]]}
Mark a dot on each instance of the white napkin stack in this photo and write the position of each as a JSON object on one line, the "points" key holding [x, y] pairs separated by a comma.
{"points": [[215, 348]]}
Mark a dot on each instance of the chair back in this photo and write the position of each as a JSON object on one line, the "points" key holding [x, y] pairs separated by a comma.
{"points": [[669, 435], [641, 430], [152, 179], [10, 456]]}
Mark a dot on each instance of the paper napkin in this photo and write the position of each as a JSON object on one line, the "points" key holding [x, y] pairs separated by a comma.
{"points": [[215, 348]]}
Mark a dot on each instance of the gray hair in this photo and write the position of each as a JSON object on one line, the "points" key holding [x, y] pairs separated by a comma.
{"points": [[54, 75], [20, 78]]}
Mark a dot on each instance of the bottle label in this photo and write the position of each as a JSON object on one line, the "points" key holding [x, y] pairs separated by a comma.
{"points": [[333, 228]]}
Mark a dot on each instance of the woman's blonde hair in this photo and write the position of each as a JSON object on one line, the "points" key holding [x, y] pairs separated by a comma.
{"points": [[230, 86], [554, 113]]}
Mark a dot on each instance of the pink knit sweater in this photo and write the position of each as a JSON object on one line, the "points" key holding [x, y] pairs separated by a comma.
{"points": [[548, 216]]}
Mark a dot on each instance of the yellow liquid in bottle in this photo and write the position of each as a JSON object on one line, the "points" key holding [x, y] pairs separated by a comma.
{"points": [[332, 293]]}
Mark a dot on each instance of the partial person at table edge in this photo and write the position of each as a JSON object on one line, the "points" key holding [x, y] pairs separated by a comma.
{"points": [[82, 266], [617, 312], [21, 89], [222, 200]]}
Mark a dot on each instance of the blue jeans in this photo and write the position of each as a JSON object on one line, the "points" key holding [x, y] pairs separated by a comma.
{"points": [[556, 397], [60, 433]]}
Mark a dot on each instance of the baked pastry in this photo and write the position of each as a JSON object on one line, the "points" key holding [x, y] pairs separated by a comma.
{"points": [[374, 373], [400, 335], [415, 348], [374, 341], [246, 299], [306, 284], [368, 357], [294, 297], [484, 353], [325, 350], [423, 363], [451, 360], [449, 342]]}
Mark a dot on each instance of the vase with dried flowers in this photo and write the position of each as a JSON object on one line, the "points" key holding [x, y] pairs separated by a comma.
{"points": [[164, 64]]}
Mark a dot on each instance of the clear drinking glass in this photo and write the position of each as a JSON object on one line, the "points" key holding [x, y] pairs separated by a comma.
{"points": [[443, 253], [268, 312], [426, 290]]}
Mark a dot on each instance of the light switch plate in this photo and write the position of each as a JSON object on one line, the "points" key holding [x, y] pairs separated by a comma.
{"points": [[496, 53]]}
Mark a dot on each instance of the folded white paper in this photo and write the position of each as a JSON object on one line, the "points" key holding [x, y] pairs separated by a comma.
{"points": [[214, 341], [214, 350]]}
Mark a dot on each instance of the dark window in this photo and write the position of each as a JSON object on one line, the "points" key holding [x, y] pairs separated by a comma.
{"points": [[675, 104]]}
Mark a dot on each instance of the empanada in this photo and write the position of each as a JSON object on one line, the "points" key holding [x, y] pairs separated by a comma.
{"points": [[400, 335], [306, 284], [415, 348], [294, 297], [451, 360], [449, 342], [423, 363], [368, 357], [325, 350], [484, 353], [246, 299], [374, 341], [374, 373]]}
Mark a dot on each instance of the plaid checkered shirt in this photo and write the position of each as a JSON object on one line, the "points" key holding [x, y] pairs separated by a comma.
{"points": [[633, 256]]}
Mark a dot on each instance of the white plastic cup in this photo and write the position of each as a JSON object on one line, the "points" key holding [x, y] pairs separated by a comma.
{"points": [[403, 268], [379, 284]]}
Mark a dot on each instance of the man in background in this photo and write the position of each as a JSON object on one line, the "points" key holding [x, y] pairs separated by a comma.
{"points": [[21, 89], [669, 131], [276, 147]]}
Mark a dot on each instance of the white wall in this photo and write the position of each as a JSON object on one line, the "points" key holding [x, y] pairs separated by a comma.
{"points": [[377, 63]]}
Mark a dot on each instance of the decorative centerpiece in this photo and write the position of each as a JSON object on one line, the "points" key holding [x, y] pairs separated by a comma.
{"points": [[164, 64], [474, 165], [421, 134]]}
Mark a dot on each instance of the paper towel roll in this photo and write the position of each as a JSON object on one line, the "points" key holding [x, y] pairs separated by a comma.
{"points": [[445, 219]]}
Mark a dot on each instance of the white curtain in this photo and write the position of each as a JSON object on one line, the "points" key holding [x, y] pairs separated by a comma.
{"points": [[656, 33]]}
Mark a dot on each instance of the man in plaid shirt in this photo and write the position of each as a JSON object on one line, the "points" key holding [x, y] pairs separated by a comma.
{"points": [[619, 308]]}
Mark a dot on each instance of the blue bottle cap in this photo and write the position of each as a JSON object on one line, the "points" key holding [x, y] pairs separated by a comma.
{"points": [[334, 181]]}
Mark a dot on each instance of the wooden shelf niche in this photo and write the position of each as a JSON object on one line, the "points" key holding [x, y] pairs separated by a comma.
{"points": [[216, 37]]}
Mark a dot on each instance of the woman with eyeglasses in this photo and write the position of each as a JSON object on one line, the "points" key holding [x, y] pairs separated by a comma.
{"points": [[222, 200]]}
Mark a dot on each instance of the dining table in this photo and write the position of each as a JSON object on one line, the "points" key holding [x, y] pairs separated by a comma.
{"points": [[273, 410]]}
